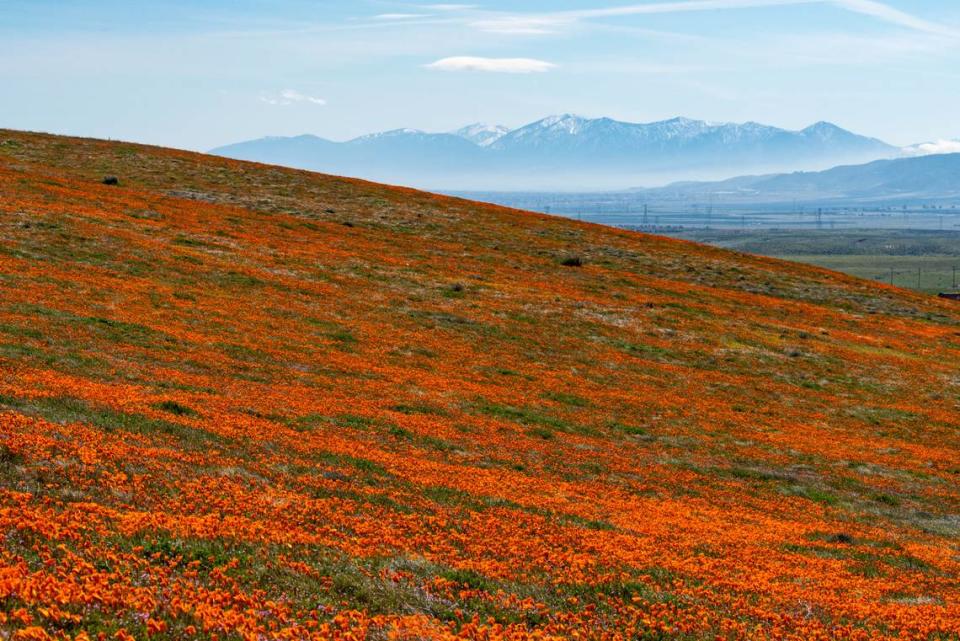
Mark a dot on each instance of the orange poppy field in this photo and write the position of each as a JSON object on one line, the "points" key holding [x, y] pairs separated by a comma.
{"points": [[245, 402]]}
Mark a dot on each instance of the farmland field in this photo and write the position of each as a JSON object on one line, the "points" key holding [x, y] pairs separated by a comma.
{"points": [[925, 260]]}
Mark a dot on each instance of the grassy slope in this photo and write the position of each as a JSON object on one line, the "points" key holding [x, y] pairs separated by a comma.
{"points": [[248, 402]]}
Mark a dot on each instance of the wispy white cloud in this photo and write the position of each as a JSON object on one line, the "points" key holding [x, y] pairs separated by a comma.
{"points": [[550, 22], [932, 148], [895, 16], [450, 7], [497, 65], [291, 96], [401, 16], [523, 25]]}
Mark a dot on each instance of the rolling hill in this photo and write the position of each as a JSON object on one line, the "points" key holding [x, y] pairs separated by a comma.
{"points": [[907, 180], [563, 151], [245, 402]]}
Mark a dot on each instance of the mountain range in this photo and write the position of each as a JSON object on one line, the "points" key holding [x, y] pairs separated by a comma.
{"points": [[569, 152], [924, 178]]}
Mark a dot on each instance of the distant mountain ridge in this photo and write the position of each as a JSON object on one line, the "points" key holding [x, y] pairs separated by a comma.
{"points": [[569, 151], [923, 178]]}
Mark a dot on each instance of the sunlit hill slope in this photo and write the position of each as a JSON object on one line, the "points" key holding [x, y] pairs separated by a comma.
{"points": [[244, 402]]}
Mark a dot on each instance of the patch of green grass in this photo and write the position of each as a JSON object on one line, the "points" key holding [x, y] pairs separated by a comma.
{"points": [[186, 241], [361, 464], [531, 417], [567, 399], [343, 337], [812, 493], [419, 408], [235, 280], [750, 474], [882, 416], [643, 350], [630, 430], [114, 331], [541, 432], [20, 331], [63, 409]]}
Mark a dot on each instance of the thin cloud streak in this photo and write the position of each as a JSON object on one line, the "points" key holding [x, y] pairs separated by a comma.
{"points": [[895, 16], [545, 23]]}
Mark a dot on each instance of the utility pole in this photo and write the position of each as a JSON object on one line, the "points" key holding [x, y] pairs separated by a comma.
{"points": [[891, 276], [954, 276], [918, 277]]}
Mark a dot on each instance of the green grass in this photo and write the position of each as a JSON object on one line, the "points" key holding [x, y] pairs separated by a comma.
{"points": [[541, 425], [923, 260], [930, 274], [72, 410]]}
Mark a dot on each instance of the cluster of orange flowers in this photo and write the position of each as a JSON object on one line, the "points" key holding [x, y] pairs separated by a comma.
{"points": [[240, 402]]}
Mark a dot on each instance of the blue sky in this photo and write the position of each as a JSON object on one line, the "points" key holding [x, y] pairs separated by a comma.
{"points": [[197, 75]]}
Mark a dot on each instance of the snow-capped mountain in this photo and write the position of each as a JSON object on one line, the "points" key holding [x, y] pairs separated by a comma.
{"points": [[482, 134], [679, 137], [577, 133], [571, 152]]}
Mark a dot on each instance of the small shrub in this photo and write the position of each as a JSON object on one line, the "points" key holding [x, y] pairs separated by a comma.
{"points": [[541, 432], [842, 538], [176, 408], [111, 180], [572, 261]]}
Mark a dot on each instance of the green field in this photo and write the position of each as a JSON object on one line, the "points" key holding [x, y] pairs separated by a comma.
{"points": [[927, 261]]}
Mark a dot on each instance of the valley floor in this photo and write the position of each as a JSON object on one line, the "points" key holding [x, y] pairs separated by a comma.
{"points": [[924, 260]]}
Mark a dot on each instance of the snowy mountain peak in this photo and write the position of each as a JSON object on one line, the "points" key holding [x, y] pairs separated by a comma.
{"points": [[823, 125], [482, 134], [825, 131], [569, 123]]}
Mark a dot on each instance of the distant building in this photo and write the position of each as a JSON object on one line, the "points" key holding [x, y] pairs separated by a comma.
{"points": [[951, 296]]}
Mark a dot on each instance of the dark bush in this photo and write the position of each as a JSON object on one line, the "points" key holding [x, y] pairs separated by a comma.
{"points": [[842, 538], [176, 408], [572, 261], [111, 180]]}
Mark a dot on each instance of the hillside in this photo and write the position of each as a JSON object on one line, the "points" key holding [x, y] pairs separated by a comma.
{"points": [[935, 177], [246, 402], [568, 151]]}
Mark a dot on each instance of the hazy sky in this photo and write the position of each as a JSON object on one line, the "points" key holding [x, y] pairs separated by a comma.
{"points": [[199, 74]]}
